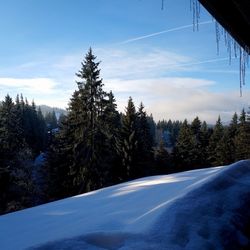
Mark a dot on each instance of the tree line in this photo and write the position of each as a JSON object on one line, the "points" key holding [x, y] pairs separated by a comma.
{"points": [[95, 146], [24, 133], [22, 137]]}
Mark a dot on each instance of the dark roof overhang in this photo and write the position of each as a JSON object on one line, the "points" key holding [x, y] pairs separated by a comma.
{"points": [[233, 16]]}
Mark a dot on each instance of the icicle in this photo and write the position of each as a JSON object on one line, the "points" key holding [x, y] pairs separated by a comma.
{"points": [[230, 51], [232, 46], [243, 63], [240, 69], [228, 44], [243, 53], [247, 51], [235, 49], [244, 59], [217, 33], [195, 8], [162, 4]]}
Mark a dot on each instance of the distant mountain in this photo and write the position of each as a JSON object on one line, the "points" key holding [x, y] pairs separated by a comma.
{"points": [[46, 109]]}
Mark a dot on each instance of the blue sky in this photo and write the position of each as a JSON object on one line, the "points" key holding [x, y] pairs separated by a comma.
{"points": [[148, 53]]}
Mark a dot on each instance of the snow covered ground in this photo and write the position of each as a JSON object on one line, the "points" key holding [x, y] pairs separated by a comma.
{"points": [[199, 209]]}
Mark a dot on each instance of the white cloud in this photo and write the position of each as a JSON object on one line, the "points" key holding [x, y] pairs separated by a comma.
{"points": [[148, 63], [68, 62], [156, 86], [41, 90], [205, 104], [140, 63], [179, 98], [39, 85]]}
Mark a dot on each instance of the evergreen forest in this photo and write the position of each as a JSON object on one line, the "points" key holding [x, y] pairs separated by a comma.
{"points": [[44, 157]]}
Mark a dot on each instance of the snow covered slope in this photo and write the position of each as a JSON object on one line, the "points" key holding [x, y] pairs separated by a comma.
{"points": [[199, 209]]}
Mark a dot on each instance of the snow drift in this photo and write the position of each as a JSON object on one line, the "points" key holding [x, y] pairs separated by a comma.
{"points": [[199, 209]]}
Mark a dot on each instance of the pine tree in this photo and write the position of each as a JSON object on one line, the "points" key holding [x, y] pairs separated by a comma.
{"points": [[51, 120], [61, 120], [204, 140], [41, 131], [242, 139], [110, 125], [223, 153], [214, 140], [231, 133], [59, 159], [174, 128], [15, 159], [93, 99], [145, 143], [7, 149], [11, 133], [86, 135], [152, 128], [127, 143], [168, 130], [198, 159], [163, 161], [185, 151], [33, 126], [196, 127]]}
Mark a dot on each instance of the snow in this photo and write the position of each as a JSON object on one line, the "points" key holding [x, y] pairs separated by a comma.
{"points": [[199, 209]]}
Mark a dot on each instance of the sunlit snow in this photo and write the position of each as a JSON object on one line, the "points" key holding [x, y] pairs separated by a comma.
{"points": [[199, 209]]}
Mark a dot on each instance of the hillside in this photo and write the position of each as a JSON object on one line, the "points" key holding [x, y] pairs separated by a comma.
{"points": [[46, 109], [199, 209]]}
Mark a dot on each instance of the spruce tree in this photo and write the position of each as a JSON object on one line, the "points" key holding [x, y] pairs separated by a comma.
{"points": [[59, 159], [127, 143], [185, 150], [145, 143], [242, 139], [15, 160], [51, 120], [214, 140], [152, 128], [11, 132], [174, 131], [110, 125], [41, 131], [163, 161], [145, 137], [198, 156], [231, 132], [223, 153], [204, 140], [196, 127], [86, 135], [93, 101], [33, 125], [61, 120]]}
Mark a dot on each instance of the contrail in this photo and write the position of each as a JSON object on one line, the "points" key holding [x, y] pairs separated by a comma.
{"points": [[201, 62], [162, 32], [176, 65]]}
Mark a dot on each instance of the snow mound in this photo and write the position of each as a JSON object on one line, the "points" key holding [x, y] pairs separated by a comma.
{"points": [[199, 209]]}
